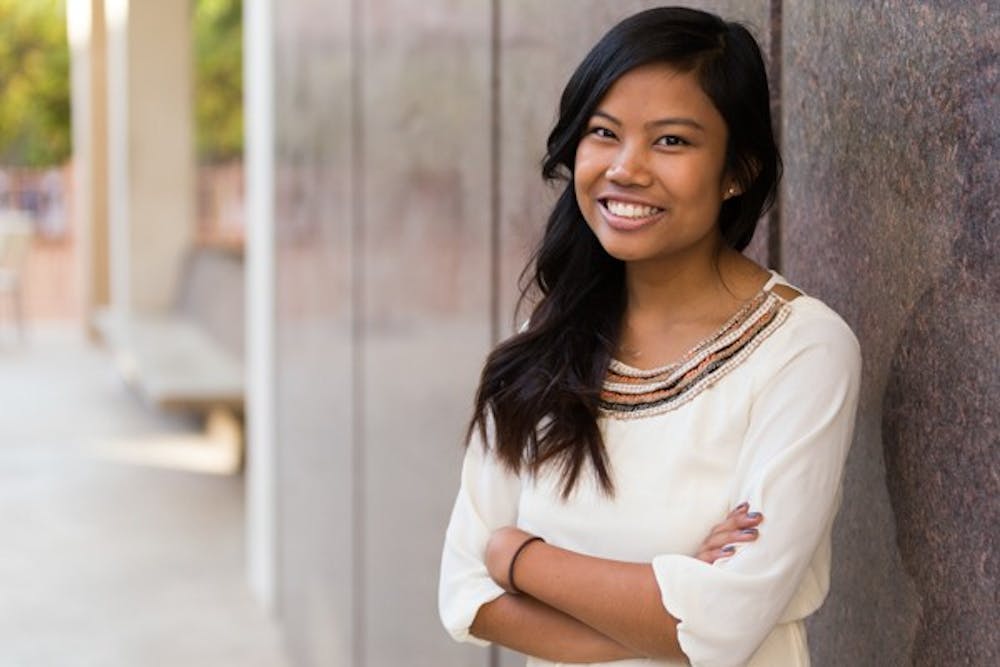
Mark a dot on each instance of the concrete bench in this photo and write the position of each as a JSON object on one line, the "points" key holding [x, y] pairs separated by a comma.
{"points": [[189, 357], [174, 363]]}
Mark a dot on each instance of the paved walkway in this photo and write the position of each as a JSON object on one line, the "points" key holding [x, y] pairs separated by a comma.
{"points": [[102, 563]]}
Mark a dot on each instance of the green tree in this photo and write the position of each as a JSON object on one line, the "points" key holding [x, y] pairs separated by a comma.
{"points": [[218, 36], [35, 90], [34, 83]]}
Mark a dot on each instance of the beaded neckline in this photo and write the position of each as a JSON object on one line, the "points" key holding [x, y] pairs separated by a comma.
{"points": [[630, 393], [740, 315]]}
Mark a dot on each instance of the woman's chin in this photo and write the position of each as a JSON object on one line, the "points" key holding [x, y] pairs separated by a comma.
{"points": [[625, 250], [625, 254]]}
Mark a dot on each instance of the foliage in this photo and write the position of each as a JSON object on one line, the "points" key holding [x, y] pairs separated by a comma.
{"points": [[218, 37], [35, 86], [34, 83]]}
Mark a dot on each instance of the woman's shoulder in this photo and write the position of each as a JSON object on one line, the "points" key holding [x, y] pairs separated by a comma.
{"points": [[811, 322]]}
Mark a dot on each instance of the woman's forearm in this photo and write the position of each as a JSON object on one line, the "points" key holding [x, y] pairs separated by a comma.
{"points": [[619, 600], [534, 628]]}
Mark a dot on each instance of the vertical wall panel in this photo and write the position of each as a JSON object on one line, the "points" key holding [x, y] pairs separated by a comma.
{"points": [[890, 216], [313, 266], [426, 106]]}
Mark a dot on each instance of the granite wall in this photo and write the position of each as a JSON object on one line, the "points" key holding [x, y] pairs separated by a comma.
{"points": [[408, 142], [889, 213]]}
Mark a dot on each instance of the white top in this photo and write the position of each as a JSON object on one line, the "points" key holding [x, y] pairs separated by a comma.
{"points": [[764, 413]]}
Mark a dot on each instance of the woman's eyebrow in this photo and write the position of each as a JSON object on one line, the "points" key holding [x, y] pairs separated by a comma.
{"points": [[689, 122], [607, 116]]}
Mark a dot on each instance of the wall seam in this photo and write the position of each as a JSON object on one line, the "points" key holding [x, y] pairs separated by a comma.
{"points": [[776, 47], [357, 195], [495, 167]]}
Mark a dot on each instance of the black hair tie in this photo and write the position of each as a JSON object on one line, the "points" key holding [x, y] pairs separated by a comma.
{"points": [[510, 571]]}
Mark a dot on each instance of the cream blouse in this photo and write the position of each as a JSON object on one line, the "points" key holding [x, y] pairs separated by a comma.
{"points": [[762, 411]]}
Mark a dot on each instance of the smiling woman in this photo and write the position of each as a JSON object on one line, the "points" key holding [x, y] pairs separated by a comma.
{"points": [[655, 459]]}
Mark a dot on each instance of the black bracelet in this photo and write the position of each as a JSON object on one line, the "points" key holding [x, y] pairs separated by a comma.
{"points": [[510, 571]]}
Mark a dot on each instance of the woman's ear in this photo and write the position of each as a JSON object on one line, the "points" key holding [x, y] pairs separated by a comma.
{"points": [[740, 178]]}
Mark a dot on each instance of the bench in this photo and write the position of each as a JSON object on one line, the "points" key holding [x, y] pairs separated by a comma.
{"points": [[173, 363], [190, 357]]}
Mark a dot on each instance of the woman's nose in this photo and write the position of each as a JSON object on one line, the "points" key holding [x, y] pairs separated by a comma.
{"points": [[628, 168]]}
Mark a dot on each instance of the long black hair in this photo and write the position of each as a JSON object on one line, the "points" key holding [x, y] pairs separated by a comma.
{"points": [[542, 386]]}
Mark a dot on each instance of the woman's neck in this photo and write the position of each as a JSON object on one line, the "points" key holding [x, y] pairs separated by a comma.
{"points": [[673, 304], [692, 287]]}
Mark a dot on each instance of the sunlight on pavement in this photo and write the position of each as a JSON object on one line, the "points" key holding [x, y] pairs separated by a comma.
{"points": [[217, 451]]}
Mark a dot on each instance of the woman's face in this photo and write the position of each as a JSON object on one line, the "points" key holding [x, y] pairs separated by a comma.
{"points": [[649, 172]]}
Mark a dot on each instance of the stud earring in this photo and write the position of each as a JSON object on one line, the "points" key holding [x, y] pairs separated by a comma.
{"points": [[731, 192]]}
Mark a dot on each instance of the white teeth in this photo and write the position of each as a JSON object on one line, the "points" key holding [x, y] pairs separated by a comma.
{"points": [[623, 210]]}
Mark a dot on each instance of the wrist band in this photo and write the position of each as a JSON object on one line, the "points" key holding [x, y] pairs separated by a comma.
{"points": [[510, 571]]}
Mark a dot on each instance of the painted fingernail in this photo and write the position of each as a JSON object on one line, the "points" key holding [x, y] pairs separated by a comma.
{"points": [[749, 531], [728, 549], [753, 515], [742, 506]]}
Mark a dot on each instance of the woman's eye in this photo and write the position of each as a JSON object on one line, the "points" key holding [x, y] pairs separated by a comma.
{"points": [[602, 132], [671, 140]]}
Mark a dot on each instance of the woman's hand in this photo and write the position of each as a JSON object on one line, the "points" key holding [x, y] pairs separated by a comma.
{"points": [[740, 525], [500, 550]]}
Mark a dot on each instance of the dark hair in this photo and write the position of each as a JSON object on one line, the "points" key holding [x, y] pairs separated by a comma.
{"points": [[543, 385]]}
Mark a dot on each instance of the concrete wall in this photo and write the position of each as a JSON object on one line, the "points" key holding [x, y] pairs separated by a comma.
{"points": [[407, 141]]}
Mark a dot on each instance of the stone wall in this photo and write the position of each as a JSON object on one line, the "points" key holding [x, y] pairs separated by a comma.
{"points": [[889, 213]]}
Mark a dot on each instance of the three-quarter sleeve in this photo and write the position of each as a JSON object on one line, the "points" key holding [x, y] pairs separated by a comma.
{"points": [[790, 467], [487, 499]]}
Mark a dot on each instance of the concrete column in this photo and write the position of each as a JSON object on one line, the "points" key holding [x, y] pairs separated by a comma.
{"points": [[258, 67], [150, 149], [85, 28]]}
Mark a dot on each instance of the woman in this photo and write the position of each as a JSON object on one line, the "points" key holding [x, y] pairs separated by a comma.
{"points": [[655, 460]]}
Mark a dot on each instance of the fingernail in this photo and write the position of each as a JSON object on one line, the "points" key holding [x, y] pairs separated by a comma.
{"points": [[753, 515], [729, 549], [742, 506], [749, 531]]}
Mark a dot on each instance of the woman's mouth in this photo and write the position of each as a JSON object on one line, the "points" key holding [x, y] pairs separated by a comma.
{"points": [[626, 216]]}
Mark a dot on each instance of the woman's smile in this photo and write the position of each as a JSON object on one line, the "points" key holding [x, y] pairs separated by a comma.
{"points": [[626, 216]]}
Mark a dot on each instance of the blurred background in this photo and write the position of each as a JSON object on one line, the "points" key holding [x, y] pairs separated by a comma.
{"points": [[253, 255]]}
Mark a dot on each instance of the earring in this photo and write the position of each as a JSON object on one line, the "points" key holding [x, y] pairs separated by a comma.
{"points": [[731, 192]]}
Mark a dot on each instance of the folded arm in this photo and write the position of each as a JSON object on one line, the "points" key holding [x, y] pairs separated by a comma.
{"points": [[473, 607], [525, 624], [618, 600]]}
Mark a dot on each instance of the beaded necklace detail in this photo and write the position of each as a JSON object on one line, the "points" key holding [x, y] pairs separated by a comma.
{"points": [[631, 393]]}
